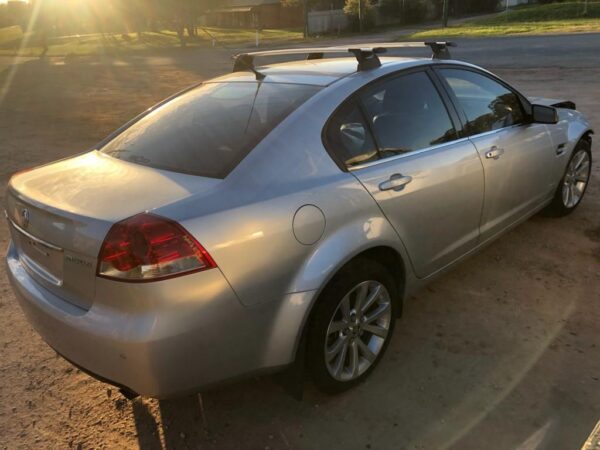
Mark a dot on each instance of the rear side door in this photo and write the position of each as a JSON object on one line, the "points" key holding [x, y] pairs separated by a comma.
{"points": [[518, 156], [398, 138]]}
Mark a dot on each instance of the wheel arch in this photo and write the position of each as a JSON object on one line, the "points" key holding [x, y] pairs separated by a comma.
{"points": [[388, 256], [578, 129], [587, 136], [393, 262], [576, 136]]}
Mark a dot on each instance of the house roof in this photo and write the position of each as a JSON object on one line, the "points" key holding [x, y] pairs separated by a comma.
{"points": [[243, 5]]}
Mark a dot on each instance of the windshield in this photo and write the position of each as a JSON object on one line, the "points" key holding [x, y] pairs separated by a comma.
{"points": [[210, 129]]}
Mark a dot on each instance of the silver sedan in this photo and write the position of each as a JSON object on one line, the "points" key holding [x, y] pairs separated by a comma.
{"points": [[278, 216]]}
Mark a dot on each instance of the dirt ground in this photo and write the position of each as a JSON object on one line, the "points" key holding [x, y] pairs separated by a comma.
{"points": [[501, 353]]}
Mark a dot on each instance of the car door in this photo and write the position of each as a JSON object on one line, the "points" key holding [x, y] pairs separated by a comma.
{"points": [[397, 137], [518, 156]]}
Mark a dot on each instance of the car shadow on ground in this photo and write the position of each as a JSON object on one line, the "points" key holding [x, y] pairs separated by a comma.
{"points": [[222, 418], [180, 420]]}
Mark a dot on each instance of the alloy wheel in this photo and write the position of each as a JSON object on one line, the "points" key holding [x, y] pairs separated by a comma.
{"points": [[358, 330], [576, 179]]}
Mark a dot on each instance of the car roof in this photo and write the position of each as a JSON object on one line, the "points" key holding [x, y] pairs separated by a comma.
{"points": [[318, 72]]}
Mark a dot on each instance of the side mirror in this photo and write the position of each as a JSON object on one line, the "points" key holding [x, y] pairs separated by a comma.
{"points": [[544, 114]]}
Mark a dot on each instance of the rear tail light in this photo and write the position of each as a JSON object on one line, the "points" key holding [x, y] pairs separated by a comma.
{"points": [[147, 247]]}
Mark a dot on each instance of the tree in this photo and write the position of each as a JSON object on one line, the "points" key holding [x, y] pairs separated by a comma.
{"points": [[313, 4], [464, 7], [360, 12], [445, 13], [59, 17], [390, 7], [183, 15], [409, 11], [42, 20]]}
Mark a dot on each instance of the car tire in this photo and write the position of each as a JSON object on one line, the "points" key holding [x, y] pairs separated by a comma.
{"points": [[360, 335], [574, 183]]}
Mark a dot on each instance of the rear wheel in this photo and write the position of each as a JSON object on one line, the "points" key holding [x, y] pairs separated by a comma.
{"points": [[351, 326], [573, 185]]}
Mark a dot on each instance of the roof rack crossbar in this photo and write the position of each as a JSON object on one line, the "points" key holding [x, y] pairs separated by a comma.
{"points": [[366, 55], [367, 58], [245, 61], [440, 49]]}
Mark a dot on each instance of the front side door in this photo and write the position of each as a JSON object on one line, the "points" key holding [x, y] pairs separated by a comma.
{"points": [[398, 139], [518, 156]]}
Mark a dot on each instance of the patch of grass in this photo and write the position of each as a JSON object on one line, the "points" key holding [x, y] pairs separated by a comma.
{"points": [[231, 36], [548, 12], [535, 19], [116, 43], [10, 35]]}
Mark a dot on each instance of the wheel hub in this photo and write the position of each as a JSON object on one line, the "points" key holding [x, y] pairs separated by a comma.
{"points": [[354, 328]]}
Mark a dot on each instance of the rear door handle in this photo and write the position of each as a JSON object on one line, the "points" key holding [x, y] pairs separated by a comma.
{"points": [[494, 153], [396, 182]]}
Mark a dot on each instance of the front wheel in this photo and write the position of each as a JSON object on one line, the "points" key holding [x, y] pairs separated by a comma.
{"points": [[573, 185], [352, 325]]}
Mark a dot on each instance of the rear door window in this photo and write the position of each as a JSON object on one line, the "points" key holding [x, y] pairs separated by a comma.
{"points": [[210, 129], [406, 114], [395, 116]]}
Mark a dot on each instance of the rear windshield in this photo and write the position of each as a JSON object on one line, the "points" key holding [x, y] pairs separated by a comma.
{"points": [[210, 129]]}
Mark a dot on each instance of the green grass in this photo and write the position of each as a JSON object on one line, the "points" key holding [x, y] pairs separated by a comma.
{"points": [[534, 19], [13, 41], [10, 36]]}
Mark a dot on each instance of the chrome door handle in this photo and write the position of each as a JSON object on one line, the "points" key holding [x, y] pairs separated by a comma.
{"points": [[494, 153], [396, 182]]}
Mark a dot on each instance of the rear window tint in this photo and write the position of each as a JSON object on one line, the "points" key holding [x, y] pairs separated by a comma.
{"points": [[210, 129]]}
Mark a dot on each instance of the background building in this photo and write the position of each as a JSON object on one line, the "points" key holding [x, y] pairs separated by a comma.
{"points": [[255, 14]]}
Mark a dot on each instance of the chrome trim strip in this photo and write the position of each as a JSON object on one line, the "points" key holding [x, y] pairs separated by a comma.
{"points": [[30, 264], [404, 155], [32, 237], [499, 130], [435, 147]]}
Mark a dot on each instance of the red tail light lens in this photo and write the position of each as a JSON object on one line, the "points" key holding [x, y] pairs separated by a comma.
{"points": [[147, 247]]}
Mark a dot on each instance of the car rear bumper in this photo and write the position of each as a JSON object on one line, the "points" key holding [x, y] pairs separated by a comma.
{"points": [[164, 338]]}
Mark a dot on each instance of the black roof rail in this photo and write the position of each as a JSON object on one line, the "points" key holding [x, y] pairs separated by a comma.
{"points": [[366, 54]]}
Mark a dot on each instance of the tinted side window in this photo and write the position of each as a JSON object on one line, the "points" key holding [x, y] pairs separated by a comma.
{"points": [[407, 114], [487, 104], [349, 137], [207, 131]]}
